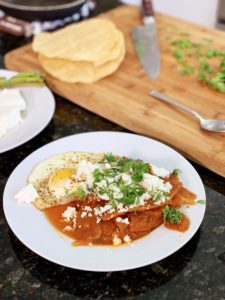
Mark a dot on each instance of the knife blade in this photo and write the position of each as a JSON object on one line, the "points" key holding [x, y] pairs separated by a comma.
{"points": [[146, 43]]}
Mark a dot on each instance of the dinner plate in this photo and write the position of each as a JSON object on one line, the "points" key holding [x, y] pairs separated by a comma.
{"points": [[40, 109], [34, 230]]}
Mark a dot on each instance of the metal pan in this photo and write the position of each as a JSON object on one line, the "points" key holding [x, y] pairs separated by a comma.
{"points": [[31, 10]]}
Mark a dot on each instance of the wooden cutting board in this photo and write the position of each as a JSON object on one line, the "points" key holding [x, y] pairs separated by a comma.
{"points": [[123, 97]]}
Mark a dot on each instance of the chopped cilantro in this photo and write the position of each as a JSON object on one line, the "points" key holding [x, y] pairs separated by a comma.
{"points": [[176, 172], [193, 57], [186, 70], [171, 215], [182, 44], [98, 175], [138, 168], [131, 194], [113, 186], [178, 54], [110, 157], [98, 208], [79, 192], [156, 196], [217, 82], [201, 201], [207, 40]]}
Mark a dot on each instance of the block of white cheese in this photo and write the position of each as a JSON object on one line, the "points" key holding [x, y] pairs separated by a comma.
{"points": [[11, 106], [12, 97], [28, 194]]}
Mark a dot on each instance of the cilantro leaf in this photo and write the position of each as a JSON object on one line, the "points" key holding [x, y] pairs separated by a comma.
{"points": [[176, 172], [110, 157], [79, 192], [201, 201]]}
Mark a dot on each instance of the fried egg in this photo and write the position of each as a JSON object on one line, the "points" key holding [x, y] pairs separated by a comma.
{"points": [[56, 175]]}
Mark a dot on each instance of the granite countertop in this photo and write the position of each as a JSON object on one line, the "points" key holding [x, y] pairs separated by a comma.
{"points": [[197, 271]]}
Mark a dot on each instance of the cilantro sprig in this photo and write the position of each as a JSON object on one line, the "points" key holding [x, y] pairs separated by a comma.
{"points": [[176, 172], [171, 215], [201, 201], [110, 157]]}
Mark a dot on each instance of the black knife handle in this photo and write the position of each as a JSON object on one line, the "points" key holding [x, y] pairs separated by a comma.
{"points": [[147, 8]]}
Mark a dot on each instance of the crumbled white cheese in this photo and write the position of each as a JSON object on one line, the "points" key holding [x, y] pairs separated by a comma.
{"points": [[74, 222], [114, 188], [168, 187], [98, 220], [103, 209], [127, 239], [68, 183], [161, 200], [118, 177], [28, 194], [116, 240], [116, 191], [87, 208], [121, 208], [117, 195], [68, 228], [107, 166], [70, 213], [84, 172], [161, 172], [144, 197], [154, 185], [104, 197], [152, 182], [126, 179], [101, 184], [83, 214], [120, 220], [110, 179]]}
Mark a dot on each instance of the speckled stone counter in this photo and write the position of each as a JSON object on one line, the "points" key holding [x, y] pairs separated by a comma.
{"points": [[197, 271]]}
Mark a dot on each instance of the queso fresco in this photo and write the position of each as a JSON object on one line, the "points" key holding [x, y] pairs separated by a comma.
{"points": [[104, 199]]}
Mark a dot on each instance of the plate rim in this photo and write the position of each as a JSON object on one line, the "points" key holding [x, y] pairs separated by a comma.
{"points": [[39, 129], [121, 268]]}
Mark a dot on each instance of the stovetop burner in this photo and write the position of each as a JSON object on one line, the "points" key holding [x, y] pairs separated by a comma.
{"points": [[18, 27]]}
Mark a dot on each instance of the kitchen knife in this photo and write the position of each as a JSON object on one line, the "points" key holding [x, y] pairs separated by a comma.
{"points": [[145, 40]]}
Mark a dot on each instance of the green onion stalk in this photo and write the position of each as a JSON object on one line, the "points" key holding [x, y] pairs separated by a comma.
{"points": [[27, 78]]}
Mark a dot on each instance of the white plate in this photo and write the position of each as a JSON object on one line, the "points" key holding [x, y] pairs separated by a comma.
{"points": [[40, 109], [34, 230]]}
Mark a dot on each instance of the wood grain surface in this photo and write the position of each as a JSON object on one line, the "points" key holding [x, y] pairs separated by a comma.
{"points": [[123, 97]]}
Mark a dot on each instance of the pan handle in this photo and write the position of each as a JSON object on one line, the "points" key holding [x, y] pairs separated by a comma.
{"points": [[13, 26], [147, 8]]}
